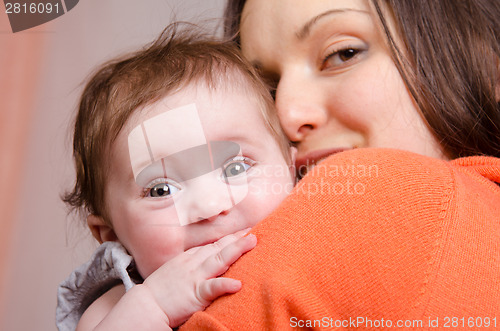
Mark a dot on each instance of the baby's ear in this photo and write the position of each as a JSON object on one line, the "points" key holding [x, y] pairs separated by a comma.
{"points": [[100, 229]]}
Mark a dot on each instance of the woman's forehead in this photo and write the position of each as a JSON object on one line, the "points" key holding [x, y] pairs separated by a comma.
{"points": [[295, 13], [267, 25]]}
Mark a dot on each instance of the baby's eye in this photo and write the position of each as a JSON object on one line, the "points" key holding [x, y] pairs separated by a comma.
{"points": [[237, 166], [161, 190]]}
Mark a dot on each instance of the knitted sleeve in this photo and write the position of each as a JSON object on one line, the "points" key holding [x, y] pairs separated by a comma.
{"points": [[360, 240]]}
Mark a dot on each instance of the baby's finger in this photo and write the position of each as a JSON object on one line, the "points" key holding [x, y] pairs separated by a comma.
{"points": [[229, 239], [218, 263], [210, 249], [211, 289]]}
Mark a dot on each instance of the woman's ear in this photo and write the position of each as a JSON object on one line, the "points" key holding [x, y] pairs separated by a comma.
{"points": [[101, 230]]}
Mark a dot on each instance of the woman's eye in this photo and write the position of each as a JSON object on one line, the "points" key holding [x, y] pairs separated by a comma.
{"points": [[339, 58], [162, 190], [237, 166], [347, 54]]}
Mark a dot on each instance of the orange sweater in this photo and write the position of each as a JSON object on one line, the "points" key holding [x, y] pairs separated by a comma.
{"points": [[374, 238]]}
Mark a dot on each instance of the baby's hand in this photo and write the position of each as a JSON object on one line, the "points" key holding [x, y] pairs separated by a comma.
{"points": [[188, 283]]}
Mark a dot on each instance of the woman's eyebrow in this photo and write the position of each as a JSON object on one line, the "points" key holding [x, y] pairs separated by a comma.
{"points": [[303, 32]]}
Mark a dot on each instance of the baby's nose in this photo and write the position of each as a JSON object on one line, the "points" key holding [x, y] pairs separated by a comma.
{"points": [[206, 198]]}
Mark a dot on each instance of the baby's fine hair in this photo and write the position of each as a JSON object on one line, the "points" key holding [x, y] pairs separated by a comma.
{"points": [[122, 86]]}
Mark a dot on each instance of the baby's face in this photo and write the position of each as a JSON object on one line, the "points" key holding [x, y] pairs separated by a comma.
{"points": [[190, 169]]}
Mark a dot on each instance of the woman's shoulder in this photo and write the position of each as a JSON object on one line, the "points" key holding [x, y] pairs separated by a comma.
{"points": [[398, 160], [381, 183], [398, 171], [380, 162], [377, 172]]}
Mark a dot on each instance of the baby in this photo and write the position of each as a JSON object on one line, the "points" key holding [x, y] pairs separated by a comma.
{"points": [[178, 154]]}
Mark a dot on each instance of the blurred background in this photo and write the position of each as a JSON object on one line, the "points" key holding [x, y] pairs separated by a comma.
{"points": [[42, 72]]}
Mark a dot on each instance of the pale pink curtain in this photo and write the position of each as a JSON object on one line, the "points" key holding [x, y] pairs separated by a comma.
{"points": [[20, 61]]}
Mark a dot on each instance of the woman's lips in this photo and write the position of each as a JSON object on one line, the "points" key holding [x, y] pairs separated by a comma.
{"points": [[305, 163]]}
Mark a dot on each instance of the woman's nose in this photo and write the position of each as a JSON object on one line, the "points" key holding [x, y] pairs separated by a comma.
{"points": [[206, 199], [299, 107]]}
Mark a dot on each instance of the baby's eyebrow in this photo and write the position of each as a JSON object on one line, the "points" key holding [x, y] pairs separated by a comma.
{"points": [[147, 140], [190, 163]]}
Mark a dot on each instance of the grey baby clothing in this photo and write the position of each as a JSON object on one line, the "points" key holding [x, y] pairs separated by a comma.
{"points": [[110, 265]]}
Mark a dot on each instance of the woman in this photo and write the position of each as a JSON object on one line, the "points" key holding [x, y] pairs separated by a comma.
{"points": [[372, 237]]}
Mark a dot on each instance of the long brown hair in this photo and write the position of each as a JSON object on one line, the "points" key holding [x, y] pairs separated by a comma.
{"points": [[450, 62], [124, 85]]}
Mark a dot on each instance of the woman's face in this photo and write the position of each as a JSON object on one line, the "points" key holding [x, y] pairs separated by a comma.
{"points": [[337, 87]]}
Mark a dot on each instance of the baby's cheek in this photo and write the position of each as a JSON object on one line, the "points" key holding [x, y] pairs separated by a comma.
{"points": [[155, 252], [145, 267], [264, 195]]}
